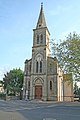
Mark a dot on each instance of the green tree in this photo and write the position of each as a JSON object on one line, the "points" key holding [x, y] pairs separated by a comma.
{"points": [[68, 54], [13, 81], [75, 89]]}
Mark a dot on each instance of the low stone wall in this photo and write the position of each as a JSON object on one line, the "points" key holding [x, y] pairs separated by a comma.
{"points": [[69, 98], [12, 97]]}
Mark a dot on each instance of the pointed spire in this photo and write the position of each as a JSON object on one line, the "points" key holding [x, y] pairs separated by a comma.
{"points": [[41, 20]]}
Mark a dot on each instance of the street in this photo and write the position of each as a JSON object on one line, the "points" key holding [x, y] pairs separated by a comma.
{"points": [[38, 110]]}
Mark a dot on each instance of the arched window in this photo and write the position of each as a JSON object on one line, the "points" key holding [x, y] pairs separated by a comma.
{"points": [[37, 39], [41, 38], [37, 67], [30, 67], [28, 84], [40, 66], [50, 85], [50, 67]]}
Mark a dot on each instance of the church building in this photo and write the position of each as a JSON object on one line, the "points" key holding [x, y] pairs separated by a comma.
{"points": [[43, 78]]}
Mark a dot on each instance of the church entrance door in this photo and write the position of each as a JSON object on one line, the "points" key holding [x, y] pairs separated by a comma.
{"points": [[38, 92]]}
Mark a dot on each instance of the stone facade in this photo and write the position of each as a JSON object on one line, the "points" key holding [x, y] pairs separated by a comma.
{"points": [[1, 88], [68, 87], [43, 79]]}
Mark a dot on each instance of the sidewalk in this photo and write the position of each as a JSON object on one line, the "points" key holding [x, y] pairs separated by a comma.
{"points": [[11, 116], [76, 103], [66, 103]]}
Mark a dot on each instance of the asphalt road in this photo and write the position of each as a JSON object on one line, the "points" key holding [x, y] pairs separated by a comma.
{"points": [[37, 110]]}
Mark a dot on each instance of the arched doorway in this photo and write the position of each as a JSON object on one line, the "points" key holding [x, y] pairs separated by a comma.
{"points": [[38, 89], [38, 92]]}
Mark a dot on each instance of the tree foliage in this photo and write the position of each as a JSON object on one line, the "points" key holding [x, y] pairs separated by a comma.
{"points": [[68, 54], [13, 81], [76, 90]]}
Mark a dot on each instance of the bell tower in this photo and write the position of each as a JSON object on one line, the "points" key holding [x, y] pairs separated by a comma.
{"points": [[40, 54], [41, 35]]}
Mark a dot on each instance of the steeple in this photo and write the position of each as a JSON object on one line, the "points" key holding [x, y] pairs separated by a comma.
{"points": [[41, 20]]}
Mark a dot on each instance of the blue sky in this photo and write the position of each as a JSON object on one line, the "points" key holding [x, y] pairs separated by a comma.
{"points": [[18, 18]]}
